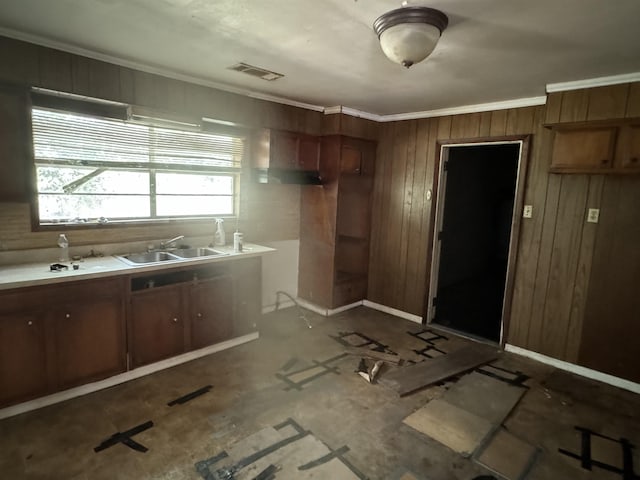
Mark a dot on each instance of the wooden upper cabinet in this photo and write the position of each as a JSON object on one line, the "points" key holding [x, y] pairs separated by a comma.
{"points": [[596, 147], [583, 149], [15, 145], [285, 150], [630, 146]]}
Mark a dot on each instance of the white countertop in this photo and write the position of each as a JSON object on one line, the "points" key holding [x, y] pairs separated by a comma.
{"points": [[31, 274]]}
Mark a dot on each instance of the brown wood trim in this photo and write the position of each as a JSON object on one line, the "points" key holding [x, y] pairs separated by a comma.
{"points": [[518, 206], [612, 122], [473, 140]]}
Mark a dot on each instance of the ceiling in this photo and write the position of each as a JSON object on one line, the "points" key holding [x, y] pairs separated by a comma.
{"points": [[492, 51]]}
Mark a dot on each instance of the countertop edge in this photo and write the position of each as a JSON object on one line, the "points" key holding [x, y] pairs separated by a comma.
{"points": [[39, 275]]}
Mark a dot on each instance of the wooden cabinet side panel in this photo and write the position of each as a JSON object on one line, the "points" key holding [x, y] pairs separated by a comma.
{"points": [[247, 295], [15, 147]]}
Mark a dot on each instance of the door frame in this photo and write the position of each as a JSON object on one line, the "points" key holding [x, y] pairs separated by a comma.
{"points": [[442, 155]]}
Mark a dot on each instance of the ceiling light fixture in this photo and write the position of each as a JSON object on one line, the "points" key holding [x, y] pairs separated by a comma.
{"points": [[409, 34]]}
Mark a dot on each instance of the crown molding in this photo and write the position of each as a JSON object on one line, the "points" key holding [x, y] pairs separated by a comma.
{"points": [[333, 110], [477, 108], [352, 112], [593, 82], [65, 47], [482, 107]]}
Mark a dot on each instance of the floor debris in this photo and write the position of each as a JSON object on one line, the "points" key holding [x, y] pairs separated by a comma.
{"points": [[408, 379]]}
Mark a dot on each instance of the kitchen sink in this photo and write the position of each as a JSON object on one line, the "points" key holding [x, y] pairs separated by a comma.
{"points": [[164, 256], [196, 252], [148, 257]]}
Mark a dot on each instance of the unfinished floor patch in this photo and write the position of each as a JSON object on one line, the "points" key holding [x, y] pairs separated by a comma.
{"points": [[507, 455], [484, 396], [450, 425]]}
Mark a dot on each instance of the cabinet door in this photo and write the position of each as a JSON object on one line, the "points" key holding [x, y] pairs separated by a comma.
{"points": [[157, 325], [283, 150], [308, 152], [583, 150], [23, 372], [631, 151], [89, 341], [211, 312], [14, 146]]}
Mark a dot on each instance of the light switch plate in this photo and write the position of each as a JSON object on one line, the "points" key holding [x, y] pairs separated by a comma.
{"points": [[527, 211], [594, 215]]}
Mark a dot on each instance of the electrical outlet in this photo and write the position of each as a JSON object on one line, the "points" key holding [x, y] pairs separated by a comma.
{"points": [[527, 212], [594, 215]]}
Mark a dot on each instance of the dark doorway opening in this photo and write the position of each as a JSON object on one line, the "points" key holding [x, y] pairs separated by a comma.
{"points": [[480, 185]]}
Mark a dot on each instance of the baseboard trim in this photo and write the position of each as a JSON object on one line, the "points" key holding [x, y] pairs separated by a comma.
{"points": [[272, 308], [577, 369], [393, 311], [344, 308], [326, 312], [123, 377]]}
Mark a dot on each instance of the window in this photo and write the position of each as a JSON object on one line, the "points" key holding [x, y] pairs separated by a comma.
{"points": [[92, 169]]}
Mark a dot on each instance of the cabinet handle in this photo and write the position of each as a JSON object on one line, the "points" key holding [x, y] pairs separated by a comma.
{"points": [[175, 320], [30, 322], [199, 315], [67, 315]]}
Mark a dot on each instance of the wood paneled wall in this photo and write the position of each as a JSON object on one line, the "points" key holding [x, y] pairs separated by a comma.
{"points": [[560, 299], [402, 214], [561, 259], [267, 212]]}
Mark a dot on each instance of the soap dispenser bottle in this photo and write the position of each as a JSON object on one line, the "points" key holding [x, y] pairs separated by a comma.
{"points": [[63, 243], [219, 238]]}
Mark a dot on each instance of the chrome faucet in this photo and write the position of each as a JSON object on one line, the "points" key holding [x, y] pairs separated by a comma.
{"points": [[166, 243]]}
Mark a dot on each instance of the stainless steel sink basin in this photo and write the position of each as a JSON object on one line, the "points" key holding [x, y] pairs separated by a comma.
{"points": [[148, 257], [176, 255], [196, 252]]}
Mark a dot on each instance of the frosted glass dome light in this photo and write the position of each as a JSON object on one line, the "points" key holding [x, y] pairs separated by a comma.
{"points": [[408, 35]]}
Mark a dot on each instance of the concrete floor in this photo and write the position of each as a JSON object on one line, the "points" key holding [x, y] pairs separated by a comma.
{"points": [[341, 408]]}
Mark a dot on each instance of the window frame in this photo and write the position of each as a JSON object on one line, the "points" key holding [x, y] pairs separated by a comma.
{"points": [[160, 120]]}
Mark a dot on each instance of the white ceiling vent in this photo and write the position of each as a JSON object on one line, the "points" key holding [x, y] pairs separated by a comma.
{"points": [[256, 71]]}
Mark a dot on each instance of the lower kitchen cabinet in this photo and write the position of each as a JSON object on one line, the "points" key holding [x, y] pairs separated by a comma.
{"points": [[59, 336], [23, 359], [53, 338], [172, 312], [156, 323], [211, 306], [89, 341]]}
